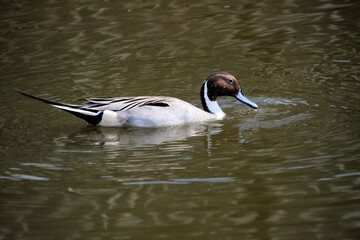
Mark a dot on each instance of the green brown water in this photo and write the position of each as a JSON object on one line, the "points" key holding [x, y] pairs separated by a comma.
{"points": [[287, 171]]}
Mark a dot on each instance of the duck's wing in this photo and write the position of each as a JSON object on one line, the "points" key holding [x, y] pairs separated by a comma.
{"points": [[125, 103]]}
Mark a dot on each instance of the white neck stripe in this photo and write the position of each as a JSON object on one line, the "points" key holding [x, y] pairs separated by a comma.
{"points": [[213, 106]]}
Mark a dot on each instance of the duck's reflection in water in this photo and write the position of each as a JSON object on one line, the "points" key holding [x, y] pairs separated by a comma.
{"points": [[130, 137], [138, 137]]}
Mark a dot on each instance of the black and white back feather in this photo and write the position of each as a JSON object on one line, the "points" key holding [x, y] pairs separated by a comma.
{"points": [[92, 110]]}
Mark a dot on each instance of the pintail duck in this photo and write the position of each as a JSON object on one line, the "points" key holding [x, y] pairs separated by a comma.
{"points": [[151, 111]]}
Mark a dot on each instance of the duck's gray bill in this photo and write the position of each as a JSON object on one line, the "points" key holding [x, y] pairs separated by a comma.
{"points": [[240, 96]]}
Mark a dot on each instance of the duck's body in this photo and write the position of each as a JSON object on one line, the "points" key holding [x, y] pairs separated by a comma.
{"points": [[160, 111], [154, 111]]}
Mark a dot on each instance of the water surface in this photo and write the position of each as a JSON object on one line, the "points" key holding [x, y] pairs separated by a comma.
{"points": [[289, 170]]}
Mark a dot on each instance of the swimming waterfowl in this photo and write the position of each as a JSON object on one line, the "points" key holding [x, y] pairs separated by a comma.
{"points": [[156, 111]]}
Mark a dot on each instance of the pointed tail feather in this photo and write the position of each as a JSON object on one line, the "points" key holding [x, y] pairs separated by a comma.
{"points": [[91, 116], [41, 99]]}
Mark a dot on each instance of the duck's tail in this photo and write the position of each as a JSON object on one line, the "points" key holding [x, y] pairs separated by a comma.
{"points": [[91, 116]]}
